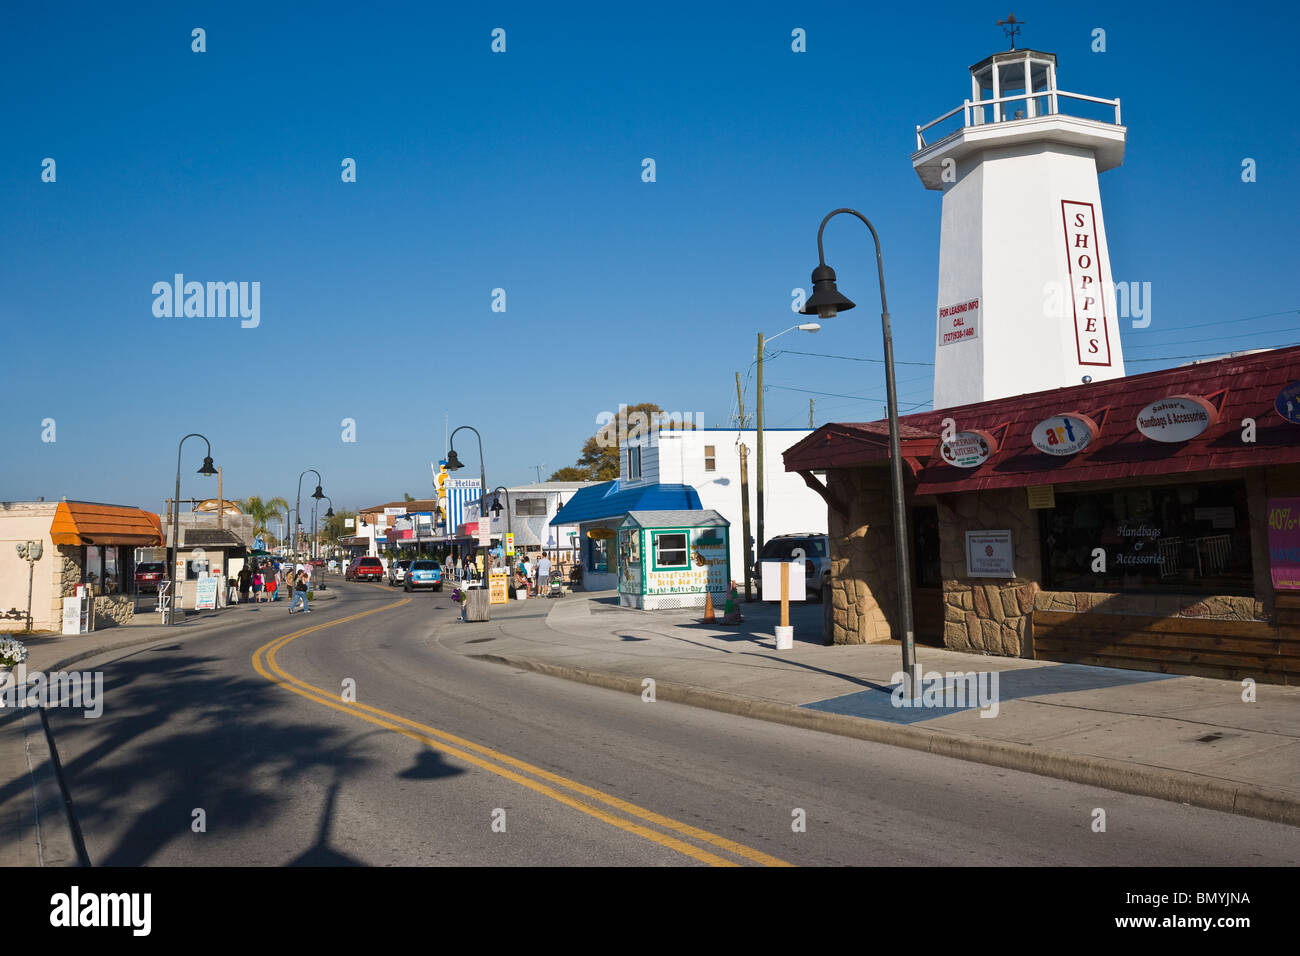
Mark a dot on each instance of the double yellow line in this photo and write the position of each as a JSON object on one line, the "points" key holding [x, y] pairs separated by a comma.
{"points": [[580, 796]]}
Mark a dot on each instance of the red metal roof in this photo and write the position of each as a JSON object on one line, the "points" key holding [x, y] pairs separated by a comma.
{"points": [[1249, 385]]}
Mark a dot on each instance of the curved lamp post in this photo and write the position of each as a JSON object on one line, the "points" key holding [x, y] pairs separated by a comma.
{"points": [[826, 302], [454, 464], [317, 494], [208, 469], [329, 513]]}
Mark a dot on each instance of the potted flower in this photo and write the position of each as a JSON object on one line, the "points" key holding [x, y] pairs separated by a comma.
{"points": [[458, 596], [12, 653]]}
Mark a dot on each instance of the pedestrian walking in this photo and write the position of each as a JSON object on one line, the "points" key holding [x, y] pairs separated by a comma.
{"points": [[245, 582], [300, 592], [543, 574], [258, 585]]}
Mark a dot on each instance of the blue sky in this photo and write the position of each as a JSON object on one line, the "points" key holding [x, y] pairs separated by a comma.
{"points": [[522, 171]]}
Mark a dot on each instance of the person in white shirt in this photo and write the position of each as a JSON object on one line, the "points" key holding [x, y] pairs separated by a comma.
{"points": [[543, 574]]}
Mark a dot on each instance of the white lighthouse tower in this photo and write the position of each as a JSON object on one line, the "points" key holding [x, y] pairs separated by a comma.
{"points": [[1026, 296]]}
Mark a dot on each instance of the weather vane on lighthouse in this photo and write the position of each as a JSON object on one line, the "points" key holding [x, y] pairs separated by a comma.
{"points": [[1011, 26]]}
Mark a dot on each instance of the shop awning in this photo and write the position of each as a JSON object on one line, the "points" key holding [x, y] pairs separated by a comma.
{"points": [[87, 523]]}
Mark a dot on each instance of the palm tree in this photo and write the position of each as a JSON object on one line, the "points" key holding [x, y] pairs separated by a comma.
{"points": [[263, 511]]}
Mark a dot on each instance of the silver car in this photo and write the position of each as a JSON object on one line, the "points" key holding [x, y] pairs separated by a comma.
{"points": [[397, 572]]}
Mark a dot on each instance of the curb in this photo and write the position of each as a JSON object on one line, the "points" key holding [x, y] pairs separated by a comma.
{"points": [[1177, 786]]}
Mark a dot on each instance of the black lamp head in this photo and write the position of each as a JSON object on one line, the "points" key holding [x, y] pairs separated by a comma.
{"points": [[329, 513], [496, 507], [208, 468], [453, 461], [826, 300], [318, 494]]}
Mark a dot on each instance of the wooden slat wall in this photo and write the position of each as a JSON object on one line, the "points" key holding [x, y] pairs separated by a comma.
{"points": [[1268, 652]]}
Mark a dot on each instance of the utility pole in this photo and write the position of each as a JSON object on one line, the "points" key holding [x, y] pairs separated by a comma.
{"points": [[758, 541], [744, 494], [810, 413]]}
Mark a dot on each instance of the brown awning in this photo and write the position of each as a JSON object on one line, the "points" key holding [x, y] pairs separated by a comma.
{"points": [[82, 522]]}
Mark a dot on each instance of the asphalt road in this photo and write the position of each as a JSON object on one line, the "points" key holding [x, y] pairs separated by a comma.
{"points": [[447, 760]]}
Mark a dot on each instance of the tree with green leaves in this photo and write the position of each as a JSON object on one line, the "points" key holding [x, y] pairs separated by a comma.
{"points": [[263, 511]]}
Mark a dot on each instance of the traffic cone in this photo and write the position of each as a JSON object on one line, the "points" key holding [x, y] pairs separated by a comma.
{"points": [[708, 607]]}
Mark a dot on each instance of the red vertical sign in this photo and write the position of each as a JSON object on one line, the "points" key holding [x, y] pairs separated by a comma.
{"points": [[1092, 341]]}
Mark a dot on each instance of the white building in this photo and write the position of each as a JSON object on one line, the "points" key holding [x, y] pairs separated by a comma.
{"points": [[531, 509], [708, 460]]}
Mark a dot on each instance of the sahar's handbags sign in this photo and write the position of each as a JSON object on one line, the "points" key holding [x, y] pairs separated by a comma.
{"points": [[1284, 542], [1177, 418], [1066, 434]]}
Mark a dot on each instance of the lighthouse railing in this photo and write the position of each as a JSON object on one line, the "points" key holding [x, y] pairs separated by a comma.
{"points": [[973, 110]]}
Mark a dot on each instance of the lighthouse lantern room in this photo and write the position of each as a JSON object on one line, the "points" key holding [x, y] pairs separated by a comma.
{"points": [[1026, 297]]}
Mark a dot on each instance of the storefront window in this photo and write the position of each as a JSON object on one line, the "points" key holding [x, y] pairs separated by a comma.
{"points": [[1190, 537], [92, 570], [600, 555], [112, 579]]}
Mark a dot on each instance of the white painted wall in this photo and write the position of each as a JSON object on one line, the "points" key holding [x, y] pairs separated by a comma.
{"points": [[28, 521], [1004, 242]]}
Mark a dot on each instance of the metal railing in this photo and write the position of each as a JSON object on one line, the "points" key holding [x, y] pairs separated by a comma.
{"points": [[973, 111]]}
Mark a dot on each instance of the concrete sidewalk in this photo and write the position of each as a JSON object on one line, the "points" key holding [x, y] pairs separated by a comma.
{"points": [[34, 826], [1188, 739]]}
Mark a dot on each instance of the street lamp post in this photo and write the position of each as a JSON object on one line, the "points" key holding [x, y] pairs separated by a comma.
{"points": [[329, 513], [209, 470], [762, 343], [454, 464], [317, 494], [825, 302], [510, 529]]}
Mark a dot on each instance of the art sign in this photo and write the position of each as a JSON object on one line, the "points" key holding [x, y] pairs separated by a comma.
{"points": [[968, 449], [1288, 403], [959, 322], [1284, 542], [1177, 418], [1064, 434]]}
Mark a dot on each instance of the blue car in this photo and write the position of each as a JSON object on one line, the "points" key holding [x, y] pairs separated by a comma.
{"points": [[423, 574]]}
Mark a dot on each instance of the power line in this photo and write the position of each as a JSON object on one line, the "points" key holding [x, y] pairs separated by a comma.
{"points": [[1201, 325], [1219, 354], [1215, 338], [849, 358]]}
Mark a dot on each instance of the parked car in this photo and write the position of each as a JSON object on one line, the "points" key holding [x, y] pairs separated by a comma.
{"points": [[365, 569], [423, 574], [817, 563], [397, 572], [147, 576]]}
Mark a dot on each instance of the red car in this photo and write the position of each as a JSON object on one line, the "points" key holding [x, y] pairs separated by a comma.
{"points": [[365, 569], [147, 576]]}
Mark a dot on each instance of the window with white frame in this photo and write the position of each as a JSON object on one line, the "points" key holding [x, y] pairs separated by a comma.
{"points": [[710, 458], [530, 506], [633, 463]]}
